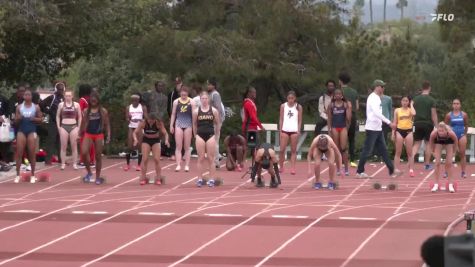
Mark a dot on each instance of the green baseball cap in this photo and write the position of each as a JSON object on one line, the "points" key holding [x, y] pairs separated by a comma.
{"points": [[378, 83]]}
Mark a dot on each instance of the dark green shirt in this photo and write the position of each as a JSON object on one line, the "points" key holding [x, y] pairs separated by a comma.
{"points": [[423, 105], [351, 95]]}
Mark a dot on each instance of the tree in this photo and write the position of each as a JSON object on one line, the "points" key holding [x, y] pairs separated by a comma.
{"points": [[401, 4], [371, 10]]}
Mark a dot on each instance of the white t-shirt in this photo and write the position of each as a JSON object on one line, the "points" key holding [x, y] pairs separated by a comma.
{"points": [[135, 114], [290, 122], [374, 113]]}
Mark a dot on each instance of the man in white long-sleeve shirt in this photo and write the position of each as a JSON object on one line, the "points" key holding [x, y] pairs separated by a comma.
{"points": [[374, 131]]}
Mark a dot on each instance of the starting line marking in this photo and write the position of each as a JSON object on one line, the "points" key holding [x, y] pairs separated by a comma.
{"points": [[22, 211], [88, 212], [157, 213], [357, 218], [222, 215], [290, 216]]}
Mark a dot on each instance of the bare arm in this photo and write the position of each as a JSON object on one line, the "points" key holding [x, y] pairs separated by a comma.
{"points": [[435, 120], [195, 122], [83, 125], [172, 119], [465, 122], [300, 109], [58, 115], [39, 115], [164, 133], [330, 117], [78, 107], [413, 110], [447, 118], [217, 122], [281, 117], [348, 113], [107, 124], [18, 116]]}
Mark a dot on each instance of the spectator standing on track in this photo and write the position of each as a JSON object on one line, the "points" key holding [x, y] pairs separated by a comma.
{"points": [[235, 145], [440, 138], [206, 126], [49, 106], [387, 104], [217, 103], [181, 125], [374, 132], [94, 124], [250, 121], [290, 123], [403, 134], [68, 120], [135, 113], [339, 119], [323, 102], [172, 96], [84, 93], [352, 96], [28, 116], [323, 145], [458, 120], [151, 128], [5, 147], [424, 121]]}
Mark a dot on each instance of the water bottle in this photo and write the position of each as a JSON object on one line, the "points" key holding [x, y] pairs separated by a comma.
{"points": [[12, 134]]}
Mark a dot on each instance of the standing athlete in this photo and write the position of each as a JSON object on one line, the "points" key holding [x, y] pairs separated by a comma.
{"points": [[458, 120], [290, 126]]}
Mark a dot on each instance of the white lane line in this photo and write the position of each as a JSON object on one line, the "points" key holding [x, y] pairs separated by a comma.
{"points": [[88, 212], [357, 218], [222, 215], [412, 193], [147, 213], [290, 216], [22, 211]]}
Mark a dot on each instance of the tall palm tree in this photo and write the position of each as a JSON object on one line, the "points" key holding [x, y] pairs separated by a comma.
{"points": [[371, 10], [401, 4]]}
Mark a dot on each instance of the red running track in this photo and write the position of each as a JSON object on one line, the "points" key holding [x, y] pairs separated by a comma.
{"points": [[68, 223]]}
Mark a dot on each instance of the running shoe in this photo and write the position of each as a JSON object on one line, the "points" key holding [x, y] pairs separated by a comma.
{"points": [[411, 173], [63, 166], [200, 182], [158, 181], [451, 188], [81, 165], [126, 167], [100, 180], [143, 181], [396, 174], [362, 175], [75, 166], [138, 168], [353, 164], [178, 168], [446, 174], [347, 173], [28, 168], [317, 186], [428, 167], [293, 172], [211, 183], [238, 168], [87, 178], [17, 179], [260, 183], [32, 179], [331, 186], [187, 169], [435, 188], [463, 175]]}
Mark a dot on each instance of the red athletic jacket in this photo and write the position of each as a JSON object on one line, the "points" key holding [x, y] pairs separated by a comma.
{"points": [[250, 111]]}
